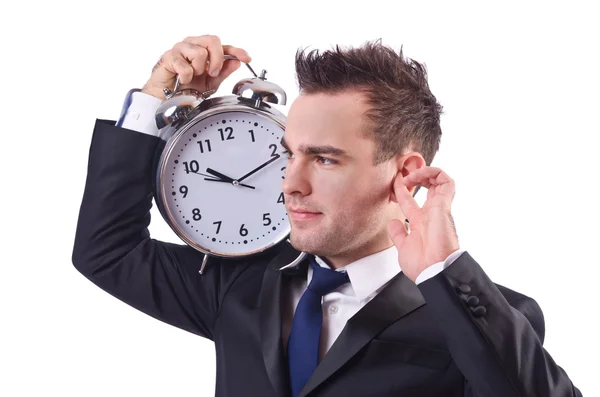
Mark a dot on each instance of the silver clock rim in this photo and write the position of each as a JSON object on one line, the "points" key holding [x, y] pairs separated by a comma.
{"points": [[206, 109]]}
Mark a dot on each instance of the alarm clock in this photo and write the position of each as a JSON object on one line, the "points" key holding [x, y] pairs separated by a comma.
{"points": [[218, 176]]}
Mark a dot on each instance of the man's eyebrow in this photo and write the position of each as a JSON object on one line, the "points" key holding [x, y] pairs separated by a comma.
{"points": [[312, 149]]}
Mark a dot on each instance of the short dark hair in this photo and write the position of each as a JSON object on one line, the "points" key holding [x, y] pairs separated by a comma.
{"points": [[405, 113]]}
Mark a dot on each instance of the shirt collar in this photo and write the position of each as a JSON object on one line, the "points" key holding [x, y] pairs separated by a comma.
{"points": [[370, 273]]}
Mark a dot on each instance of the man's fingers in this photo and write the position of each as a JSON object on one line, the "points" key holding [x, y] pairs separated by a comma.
{"points": [[397, 231], [230, 66], [426, 177], [215, 56], [407, 202], [180, 66], [431, 178], [198, 57], [239, 53], [215, 51], [195, 55]]}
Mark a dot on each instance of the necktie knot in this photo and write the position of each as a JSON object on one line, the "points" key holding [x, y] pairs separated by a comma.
{"points": [[325, 280]]}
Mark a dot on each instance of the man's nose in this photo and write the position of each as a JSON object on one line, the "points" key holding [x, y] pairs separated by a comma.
{"points": [[296, 180]]}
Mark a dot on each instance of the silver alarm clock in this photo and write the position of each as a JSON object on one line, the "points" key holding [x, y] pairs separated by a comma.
{"points": [[219, 174]]}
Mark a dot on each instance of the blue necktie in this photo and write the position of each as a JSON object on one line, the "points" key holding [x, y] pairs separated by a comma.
{"points": [[303, 343]]}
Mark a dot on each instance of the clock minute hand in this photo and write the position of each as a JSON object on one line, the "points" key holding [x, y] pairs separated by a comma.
{"points": [[223, 180], [260, 167]]}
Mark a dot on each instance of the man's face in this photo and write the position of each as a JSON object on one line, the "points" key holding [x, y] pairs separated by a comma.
{"points": [[338, 202]]}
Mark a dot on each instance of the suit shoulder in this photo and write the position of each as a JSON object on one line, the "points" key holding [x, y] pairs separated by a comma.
{"points": [[258, 262], [528, 307]]}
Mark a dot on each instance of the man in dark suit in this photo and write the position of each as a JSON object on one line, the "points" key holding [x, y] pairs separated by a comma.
{"points": [[380, 307]]}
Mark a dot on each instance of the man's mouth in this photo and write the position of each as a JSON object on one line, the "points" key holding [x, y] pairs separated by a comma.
{"points": [[299, 214]]}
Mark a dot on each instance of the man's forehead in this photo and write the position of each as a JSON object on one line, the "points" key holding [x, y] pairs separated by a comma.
{"points": [[338, 100], [323, 117]]}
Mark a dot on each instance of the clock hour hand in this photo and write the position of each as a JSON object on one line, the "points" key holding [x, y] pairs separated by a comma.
{"points": [[209, 176], [260, 167], [224, 178], [219, 175]]}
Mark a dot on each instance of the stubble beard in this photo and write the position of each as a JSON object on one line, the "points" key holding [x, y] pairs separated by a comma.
{"points": [[326, 241], [346, 237]]}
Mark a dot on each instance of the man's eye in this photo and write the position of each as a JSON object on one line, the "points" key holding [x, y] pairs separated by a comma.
{"points": [[288, 154], [325, 160]]}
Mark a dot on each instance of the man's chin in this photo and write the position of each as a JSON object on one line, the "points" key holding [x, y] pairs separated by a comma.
{"points": [[304, 243], [295, 241]]}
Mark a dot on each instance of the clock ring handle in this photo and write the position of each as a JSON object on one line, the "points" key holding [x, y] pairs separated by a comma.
{"points": [[296, 261], [208, 93]]}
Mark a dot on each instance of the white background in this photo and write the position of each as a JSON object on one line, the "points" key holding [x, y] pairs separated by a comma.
{"points": [[519, 84]]}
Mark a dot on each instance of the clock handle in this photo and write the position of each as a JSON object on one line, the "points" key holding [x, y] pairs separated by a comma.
{"points": [[296, 261], [204, 260], [208, 93]]}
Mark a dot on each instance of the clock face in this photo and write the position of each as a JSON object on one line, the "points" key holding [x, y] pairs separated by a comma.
{"points": [[221, 184]]}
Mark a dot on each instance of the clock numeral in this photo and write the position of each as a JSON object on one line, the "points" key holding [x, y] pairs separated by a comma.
{"points": [[207, 145], [266, 218], [183, 190], [280, 199], [274, 147], [218, 223], [229, 131], [252, 133], [193, 166], [243, 231], [196, 214], [283, 170]]}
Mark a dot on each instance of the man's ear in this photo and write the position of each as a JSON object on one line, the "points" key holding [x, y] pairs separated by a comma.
{"points": [[392, 189], [406, 163], [393, 198]]}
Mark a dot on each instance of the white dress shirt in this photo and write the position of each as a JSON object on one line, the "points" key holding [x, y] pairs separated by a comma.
{"points": [[138, 112], [367, 275]]}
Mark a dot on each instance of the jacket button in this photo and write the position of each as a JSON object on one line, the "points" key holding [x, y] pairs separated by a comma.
{"points": [[464, 288], [473, 301], [479, 311]]}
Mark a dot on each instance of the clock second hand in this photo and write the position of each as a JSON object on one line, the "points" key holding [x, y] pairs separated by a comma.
{"points": [[211, 176], [221, 178]]}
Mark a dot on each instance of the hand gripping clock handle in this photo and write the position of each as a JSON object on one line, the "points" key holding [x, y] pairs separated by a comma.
{"points": [[208, 93]]}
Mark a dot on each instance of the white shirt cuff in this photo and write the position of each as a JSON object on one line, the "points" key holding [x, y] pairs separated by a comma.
{"points": [[437, 268], [138, 114]]}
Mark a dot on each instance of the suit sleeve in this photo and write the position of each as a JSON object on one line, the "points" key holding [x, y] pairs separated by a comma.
{"points": [[496, 345], [113, 247]]}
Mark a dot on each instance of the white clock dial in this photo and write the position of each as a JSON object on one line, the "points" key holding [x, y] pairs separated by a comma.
{"points": [[220, 216]]}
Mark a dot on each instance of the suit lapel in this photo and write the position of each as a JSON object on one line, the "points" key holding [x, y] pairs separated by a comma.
{"points": [[271, 318], [400, 297]]}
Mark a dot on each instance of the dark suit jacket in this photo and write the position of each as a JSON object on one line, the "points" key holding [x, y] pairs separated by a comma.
{"points": [[457, 334]]}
